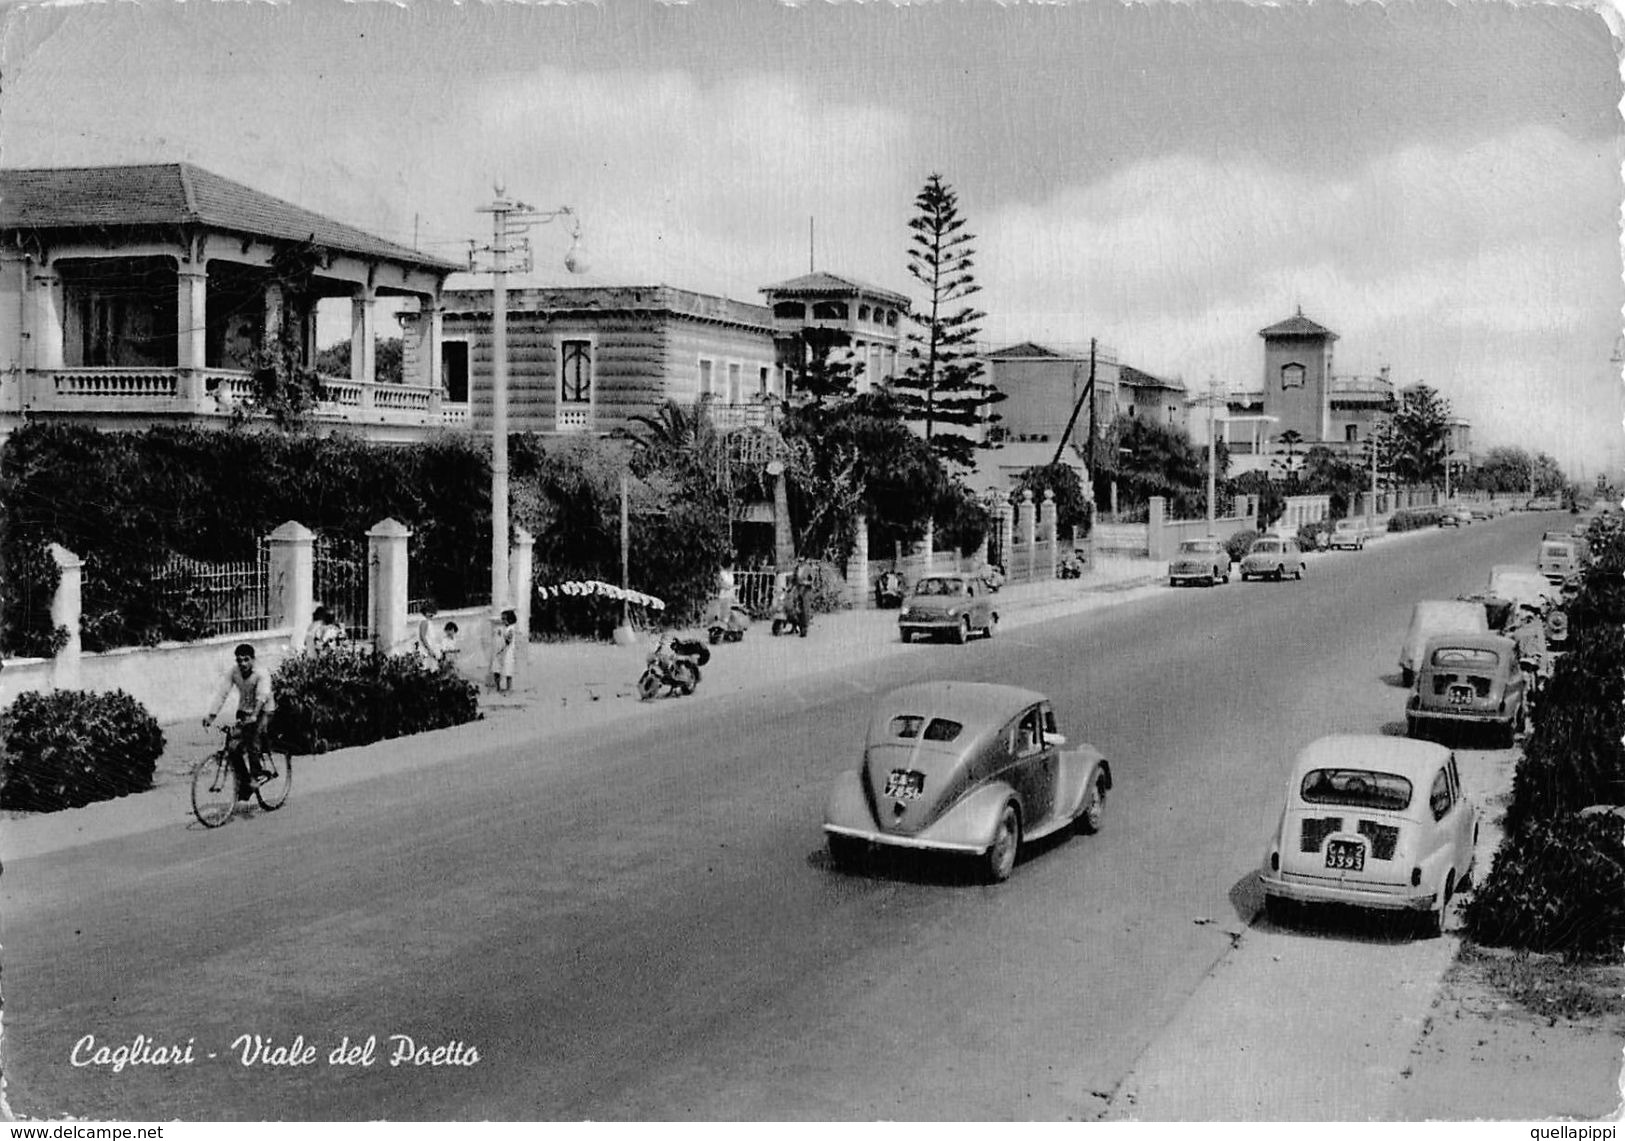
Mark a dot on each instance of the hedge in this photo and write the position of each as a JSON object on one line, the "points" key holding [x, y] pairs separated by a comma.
{"points": [[336, 699], [70, 747]]}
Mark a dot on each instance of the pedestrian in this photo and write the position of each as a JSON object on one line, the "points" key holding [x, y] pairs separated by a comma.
{"points": [[427, 644], [449, 649], [504, 649], [325, 633]]}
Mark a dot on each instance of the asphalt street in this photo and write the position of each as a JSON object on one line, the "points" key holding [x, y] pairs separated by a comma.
{"points": [[637, 921]]}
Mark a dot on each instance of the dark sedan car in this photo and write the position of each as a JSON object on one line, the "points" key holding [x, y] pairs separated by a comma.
{"points": [[1468, 681], [957, 605]]}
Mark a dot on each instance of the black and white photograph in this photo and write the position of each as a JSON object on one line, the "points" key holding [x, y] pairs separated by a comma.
{"points": [[751, 561]]}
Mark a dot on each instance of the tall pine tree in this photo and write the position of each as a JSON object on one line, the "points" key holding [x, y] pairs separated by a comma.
{"points": [[942, 388]]}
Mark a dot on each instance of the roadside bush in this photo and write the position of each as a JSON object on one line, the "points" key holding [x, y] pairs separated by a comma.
{"points": [[1238, 543], [1559, 885], [1414, 518], [338, 699], [1309, 534], [72, 747]]}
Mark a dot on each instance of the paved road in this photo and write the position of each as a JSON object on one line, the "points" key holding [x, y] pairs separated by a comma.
{"points": [[637, 921]]}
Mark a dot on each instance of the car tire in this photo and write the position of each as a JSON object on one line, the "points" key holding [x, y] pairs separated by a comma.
{"points": [[992, 626], [1000, 858], [961, 633], [1280, 574], [1521, 725], [1508, 735], [1407, 677], [1094, 808], [905, 636], [1173, 582], [845, 852], [1298, 574], [1433, 920]]}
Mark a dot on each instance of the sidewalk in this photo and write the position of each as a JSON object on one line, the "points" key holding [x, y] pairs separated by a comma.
{"points": [[565, 686]]}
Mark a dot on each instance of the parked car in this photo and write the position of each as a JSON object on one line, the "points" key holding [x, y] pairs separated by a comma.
{"points": [[1200, 560], [1516, 589], [1272, 557], [1374, 822], [1469, 681], [1431, 618], [1348, 535], [952, 604], [966, 768], [1482, 511], [1454, 515], [1521, 582], [1560, 557], [1543, 503]]}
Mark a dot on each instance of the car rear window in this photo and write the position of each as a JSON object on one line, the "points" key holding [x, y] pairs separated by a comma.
{"points": [[1465, 658], [1266, 547], [940, 586], [908, 727], [1198, 547], [1356, 788], [1556, 551]]}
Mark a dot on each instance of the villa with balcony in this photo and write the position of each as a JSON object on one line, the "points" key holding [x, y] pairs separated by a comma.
{"points": [[138, 295]]}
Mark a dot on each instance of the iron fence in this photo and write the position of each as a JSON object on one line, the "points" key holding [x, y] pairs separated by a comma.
{"points": [[754, 591], [339, 576], [203, 599]]}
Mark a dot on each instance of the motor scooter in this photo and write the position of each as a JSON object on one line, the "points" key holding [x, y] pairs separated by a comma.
{"points": [[674, 666], [726, 621], [792, 607], [889, 590]]}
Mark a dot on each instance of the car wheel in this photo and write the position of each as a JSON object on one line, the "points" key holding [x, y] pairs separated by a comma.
{"points": [[1509, 733], [1280, 574], [1521, 726], [905, 635], [992, 626], [1433, 921], [1000, 858], [1298, 574], [962, 632], [1407, 677], [1094, 809], [1173, 582], [845, 852]]}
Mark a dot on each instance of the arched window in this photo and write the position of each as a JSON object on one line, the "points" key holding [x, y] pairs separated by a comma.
{"points": [[829, 311]]}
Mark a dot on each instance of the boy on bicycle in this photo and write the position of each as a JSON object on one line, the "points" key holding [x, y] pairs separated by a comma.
{"points": [[255, 704]]}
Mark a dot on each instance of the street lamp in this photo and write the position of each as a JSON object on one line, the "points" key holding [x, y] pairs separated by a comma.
{"points": [[509, 221]]}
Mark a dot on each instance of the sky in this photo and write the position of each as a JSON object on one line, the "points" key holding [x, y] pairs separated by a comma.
{"points": [[1438, 184]]}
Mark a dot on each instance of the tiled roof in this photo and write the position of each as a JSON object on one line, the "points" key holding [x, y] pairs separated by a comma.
{"points": [[1133, 378], [178, 194], [1024, 351], [820, 283], [1298, 326], [586, 299]]}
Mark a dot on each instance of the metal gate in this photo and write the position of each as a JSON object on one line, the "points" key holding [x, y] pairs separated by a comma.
{"points": [[339, 576]]}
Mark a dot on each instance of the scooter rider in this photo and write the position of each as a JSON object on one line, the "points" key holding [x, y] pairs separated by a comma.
{"points": [[799, 604]]}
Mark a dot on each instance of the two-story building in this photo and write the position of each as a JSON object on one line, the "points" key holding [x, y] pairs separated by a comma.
{"points": [[144, 294]]}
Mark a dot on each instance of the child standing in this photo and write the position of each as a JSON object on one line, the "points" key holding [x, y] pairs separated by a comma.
{"points": [[503, 652], [449, 649]]}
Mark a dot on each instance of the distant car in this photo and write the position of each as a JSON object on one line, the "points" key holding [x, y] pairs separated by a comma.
{"points": [[1481, 511], [1518, 587], [1431, 618], [952, 604], [1469, 680], [1560, 557], [1200, 560], [965, 768], [1374, 822], [1348, 535], [1543, 503], [1455, 515], [1271, 557]]}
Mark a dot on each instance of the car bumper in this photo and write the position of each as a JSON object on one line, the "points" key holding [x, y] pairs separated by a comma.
{"points": [[913, 625], [1204, 574], [1382, 899], [1446, 717], [913, 843]]}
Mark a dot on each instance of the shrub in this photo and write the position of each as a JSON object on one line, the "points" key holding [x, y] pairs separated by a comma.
{"points": [[71, 747], [337, 699], [1559, 885], [1238, 544], [1414, 518]]}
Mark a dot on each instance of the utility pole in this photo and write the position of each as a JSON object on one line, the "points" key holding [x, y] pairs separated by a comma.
{"points": [[1212, 450], [1371, 502], [510, 221]]}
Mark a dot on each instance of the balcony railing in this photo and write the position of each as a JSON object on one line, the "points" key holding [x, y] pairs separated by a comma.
{"points": [[755, 413]]}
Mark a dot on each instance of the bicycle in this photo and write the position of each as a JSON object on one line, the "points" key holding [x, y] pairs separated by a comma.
{"points": [[220, 781]]}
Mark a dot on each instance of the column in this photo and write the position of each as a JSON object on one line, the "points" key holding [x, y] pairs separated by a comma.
{"points": [[293, 579], [65, 611], [192, 316], [521, 560], [386, 584], [784, 546], [857, 565], [930, 543], [1047, 530], [47, 324], [364, 335], [1027, 528], [1007, 535]]}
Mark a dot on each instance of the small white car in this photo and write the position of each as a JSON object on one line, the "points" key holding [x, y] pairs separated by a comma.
{"points": [[1271, 557], [1348, 535], [1375, 822], [1200, 560]]}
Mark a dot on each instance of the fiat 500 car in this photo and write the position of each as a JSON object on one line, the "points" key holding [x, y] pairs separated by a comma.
{"points": [[1347, 535], [1468, 681], [1270, 557], [952, 604], [1200, 560], [964, 768], [1375, 822], [1431, 618], [1561, 556]]}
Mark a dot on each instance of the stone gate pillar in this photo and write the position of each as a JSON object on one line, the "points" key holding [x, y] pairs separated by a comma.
{"points": [[293, 579], [66, 607], [521, 559], [386, 583], [857, 565]]}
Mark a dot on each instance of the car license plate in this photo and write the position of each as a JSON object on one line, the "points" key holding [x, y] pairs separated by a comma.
{"points": [[1460, 695], [1345, 855], [905, 784]]}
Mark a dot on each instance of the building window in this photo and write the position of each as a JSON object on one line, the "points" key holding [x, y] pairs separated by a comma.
{"points": [[1351, 434], [735, 383], [863, 312], [764, 380], [1292, 375], [708, 383], [829, 311], [454, 370], [790, 311], [575, 372]]}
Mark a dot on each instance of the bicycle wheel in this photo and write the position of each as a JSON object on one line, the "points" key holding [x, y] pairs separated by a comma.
{"points": [[273, 792], [214, 790]]}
